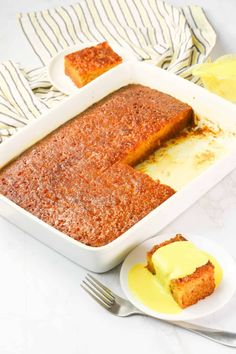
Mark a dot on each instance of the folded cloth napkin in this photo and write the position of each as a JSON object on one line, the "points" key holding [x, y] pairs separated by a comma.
{"points": [[172, 38]]}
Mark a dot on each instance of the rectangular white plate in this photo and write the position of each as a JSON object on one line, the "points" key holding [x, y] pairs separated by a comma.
{"points": [[104, 258]]}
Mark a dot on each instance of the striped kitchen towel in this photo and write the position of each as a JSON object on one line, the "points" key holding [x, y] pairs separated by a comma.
{"points": [[172, 38]]}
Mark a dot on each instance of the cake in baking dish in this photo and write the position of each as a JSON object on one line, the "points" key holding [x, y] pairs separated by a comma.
{"points": [[86, 64], [183, 268], [118, 200], [80, 178]]}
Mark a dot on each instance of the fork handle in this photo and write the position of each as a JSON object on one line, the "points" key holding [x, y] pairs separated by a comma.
{"points": [[219, 336]]}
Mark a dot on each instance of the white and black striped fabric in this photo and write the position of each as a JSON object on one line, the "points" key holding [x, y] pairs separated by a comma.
{"points": [[173, 38]]}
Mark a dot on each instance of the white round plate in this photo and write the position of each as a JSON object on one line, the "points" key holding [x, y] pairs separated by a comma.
{"points": [[214, 302], [56, 73]]}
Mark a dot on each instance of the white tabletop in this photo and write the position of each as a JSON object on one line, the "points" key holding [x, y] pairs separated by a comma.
{"points": [[43, 310]]}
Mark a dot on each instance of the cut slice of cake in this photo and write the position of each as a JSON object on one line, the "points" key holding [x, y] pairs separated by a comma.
{"points": [[183, 269], [86, 64]]}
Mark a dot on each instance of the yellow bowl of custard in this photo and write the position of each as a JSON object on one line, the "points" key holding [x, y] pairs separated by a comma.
{"points": [[219, 76]]}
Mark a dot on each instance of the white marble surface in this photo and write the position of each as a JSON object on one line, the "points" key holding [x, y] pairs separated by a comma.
{"points": [[43, 310]]}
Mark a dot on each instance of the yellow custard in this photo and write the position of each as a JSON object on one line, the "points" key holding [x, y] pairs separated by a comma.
{"points": [[220, 76], [174, 260]]}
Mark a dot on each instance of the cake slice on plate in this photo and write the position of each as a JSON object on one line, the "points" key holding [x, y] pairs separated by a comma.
{"points": [[182, 268], [86, 64]]}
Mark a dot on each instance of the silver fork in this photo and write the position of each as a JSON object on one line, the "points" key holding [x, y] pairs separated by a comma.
{"points": [[121, 307]]}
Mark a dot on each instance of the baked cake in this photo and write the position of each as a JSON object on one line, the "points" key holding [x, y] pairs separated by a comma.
{"points": [[86, 64], [119, 199], [186, 289], [79, 178]]}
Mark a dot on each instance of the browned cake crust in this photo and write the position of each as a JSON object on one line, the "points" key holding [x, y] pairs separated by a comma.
{"points": [[188, 290], [94, 213], [126, 126], [150, 266], [64, 176], [119, 199], [137, 119], [86, 64]]}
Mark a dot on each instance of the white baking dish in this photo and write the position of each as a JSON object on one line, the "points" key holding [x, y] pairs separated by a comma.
{"points": [[104, 258]]}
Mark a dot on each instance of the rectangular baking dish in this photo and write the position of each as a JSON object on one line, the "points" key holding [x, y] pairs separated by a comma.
{"points": [[103, 258]]}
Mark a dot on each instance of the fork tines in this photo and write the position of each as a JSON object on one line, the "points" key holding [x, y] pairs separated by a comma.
{"points": [[98, 291]]}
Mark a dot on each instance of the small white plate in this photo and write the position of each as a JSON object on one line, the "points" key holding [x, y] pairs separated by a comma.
{"points": [[204, 307], [56, 73]]}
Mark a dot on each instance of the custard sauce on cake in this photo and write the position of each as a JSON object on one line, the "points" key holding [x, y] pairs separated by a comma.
{"points": [[80, 179], [176, 259]]}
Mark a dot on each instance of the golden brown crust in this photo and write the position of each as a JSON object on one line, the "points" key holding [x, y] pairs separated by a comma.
{"points": [[83, 164], [117, 200], [150, 266], [86, 64], [189, 290]]}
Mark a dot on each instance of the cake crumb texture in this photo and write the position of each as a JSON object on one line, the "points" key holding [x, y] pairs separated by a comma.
{"points": [[86, 64], [80, 180], [190, 289]]}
